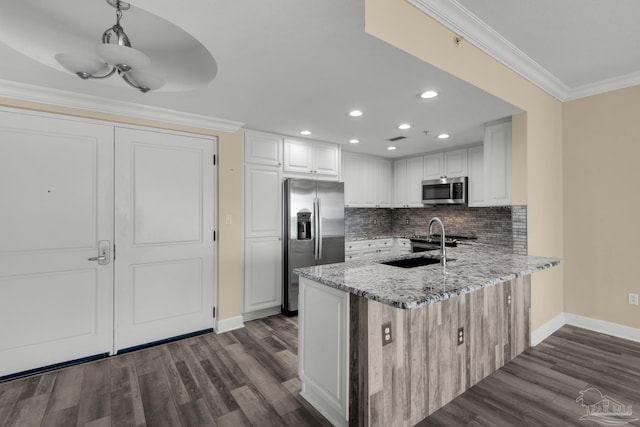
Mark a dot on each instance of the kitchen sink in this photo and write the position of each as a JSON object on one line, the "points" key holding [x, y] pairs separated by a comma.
{"points": [[414, 262]]}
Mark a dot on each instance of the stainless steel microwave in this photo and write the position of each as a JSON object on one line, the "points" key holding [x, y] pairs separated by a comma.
{"points": [[445, 191]]}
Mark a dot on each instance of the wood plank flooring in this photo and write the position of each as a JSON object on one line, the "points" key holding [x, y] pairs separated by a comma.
{"points": [[541, 385], [248, 377]]}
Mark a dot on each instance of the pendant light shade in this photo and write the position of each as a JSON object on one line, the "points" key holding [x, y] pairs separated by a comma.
{"points": [[117, 56], [123, 57], [78, 63]]}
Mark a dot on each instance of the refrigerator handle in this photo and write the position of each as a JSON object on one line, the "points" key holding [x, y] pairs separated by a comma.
{"points": [[315, 229], [320, 236]]}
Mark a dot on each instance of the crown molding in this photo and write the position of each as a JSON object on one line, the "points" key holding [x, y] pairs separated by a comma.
{"points": [[460, 20], [615, 83], [32, 93]]}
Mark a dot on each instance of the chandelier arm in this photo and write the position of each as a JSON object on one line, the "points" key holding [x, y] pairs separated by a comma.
{"points": [[142, 89], [84, 76]]}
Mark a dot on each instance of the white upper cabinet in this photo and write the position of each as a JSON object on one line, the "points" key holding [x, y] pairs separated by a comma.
{"points": [[367, 181], [497, 164], [298, 156], [262, 148], [449, 164], [351, 167], [455, 163], [326, 159], [407, 182], [400, 183], [433, 166], [476, 176], [262, 201], [319, 159]]}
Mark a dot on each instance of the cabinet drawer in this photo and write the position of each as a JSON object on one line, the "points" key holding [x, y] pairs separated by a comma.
{"points": [[352, 246]]}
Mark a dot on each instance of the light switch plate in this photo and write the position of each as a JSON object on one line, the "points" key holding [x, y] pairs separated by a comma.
{"points": [[633, 299]]}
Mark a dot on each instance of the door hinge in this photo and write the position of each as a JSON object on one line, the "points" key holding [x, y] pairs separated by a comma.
{"points": [[214, 160], [214, 235], [214, 312], [114, 251]]}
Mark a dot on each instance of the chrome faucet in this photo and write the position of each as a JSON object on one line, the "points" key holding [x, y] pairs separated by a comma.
{"points": [[443, 253]]}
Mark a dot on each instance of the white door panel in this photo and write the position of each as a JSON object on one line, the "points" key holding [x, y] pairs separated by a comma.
{"points": [[56, 190], [164, 236]]}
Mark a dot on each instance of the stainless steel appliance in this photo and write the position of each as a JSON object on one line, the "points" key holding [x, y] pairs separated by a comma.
{"points": [[445, 191], [313, 230]]}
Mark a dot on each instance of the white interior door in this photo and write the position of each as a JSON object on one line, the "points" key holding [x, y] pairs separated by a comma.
{"points": [[164, 222], [56, 204]]}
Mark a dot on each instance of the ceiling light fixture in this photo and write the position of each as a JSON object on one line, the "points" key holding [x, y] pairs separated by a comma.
{"points": [[355, 113], [117, 56], [404, 126], [353, 141], [429, 94], [391, 148], [443, 136], [305, 132]]}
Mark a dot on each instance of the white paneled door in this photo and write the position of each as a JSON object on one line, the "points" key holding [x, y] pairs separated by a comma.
{"points": [[164, 224], [56, 204]]}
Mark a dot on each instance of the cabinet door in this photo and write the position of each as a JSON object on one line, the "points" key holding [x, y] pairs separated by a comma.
{"points": [[414, 182], [383, 182], [326, 159], [455, 163], [433, 165], [351, 171], [262, 201], [400, 183], [298, 156], [262, 273], [476, 176], [368, 179], [497, 164], [262, 148]]}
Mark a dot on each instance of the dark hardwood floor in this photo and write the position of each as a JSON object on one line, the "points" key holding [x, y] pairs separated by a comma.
{"points": [[541, 386], [249, 377]]}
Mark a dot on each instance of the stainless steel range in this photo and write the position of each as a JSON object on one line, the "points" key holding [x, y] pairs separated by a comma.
{"points": [[422, 243]]}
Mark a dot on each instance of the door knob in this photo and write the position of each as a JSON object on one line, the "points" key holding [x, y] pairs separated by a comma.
{"points": [[104, 253]]}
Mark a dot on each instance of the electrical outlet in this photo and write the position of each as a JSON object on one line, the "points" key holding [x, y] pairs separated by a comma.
{"points": [[460, 336], [633, 299], [375, 221], [387, 334], [406, 221]]}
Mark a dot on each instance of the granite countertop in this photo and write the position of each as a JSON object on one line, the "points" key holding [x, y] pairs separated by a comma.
{"points": [[476, 266]]}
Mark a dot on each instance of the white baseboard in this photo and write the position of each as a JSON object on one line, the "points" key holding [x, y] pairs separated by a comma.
{"points": [[596, 325], [544, 331], [226, 325], [258, 314], [609, 328]]}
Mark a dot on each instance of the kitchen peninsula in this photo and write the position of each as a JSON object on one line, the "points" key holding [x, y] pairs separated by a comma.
{"points": [[384, 345]]}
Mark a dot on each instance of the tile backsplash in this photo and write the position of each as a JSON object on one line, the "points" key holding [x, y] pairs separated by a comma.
{"points": [[503, 225]]}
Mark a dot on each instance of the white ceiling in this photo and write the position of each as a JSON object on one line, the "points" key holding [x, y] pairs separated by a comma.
{"points": [[304, 64]]}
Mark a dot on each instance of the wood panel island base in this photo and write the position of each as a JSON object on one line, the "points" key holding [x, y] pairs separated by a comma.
{"points": [[394, 358]]}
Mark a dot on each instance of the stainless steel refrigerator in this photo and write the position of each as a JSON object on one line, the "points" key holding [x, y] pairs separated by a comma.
{"points": [[313, 230]]}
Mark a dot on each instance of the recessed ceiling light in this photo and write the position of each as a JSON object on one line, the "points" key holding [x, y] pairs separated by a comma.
{"points": [[391, 148], [404, 126], [443, 136], [429, 94], [353, 141], [355, 113], [305, 132]]}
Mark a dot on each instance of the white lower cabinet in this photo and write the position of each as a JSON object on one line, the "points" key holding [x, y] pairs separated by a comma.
{"points": [[368, 249], [401, 246], [262, 273], [323, 336]]}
